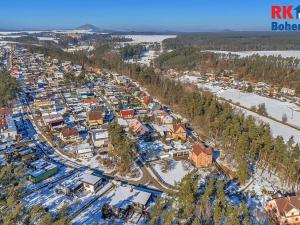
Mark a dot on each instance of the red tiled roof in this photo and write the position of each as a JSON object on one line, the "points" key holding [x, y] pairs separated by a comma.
{"points": [[200, 148], [286, 204], [95, 115], [2, 120], [68, 132], [91, 101], [127, 112], [147, 99], [6, 111]]}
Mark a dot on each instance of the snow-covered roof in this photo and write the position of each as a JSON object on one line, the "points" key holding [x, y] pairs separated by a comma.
{"points": [[90, 179], [122, 122], [126, 194]]}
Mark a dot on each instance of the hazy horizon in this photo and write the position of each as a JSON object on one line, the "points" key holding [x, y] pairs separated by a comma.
{"points": [[134, 15]]}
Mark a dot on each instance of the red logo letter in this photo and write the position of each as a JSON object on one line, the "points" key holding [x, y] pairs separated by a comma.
{"points": [[276, 12], [287, 12]]}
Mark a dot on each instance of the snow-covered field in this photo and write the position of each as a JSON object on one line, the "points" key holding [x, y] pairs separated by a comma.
{"points": [[149, 55], [274, 107], [146, 58], [284, 54], [47, 39], [175, 174], [63, 31], [148, 38], [10, 36], [21, 31], [277, 129]]}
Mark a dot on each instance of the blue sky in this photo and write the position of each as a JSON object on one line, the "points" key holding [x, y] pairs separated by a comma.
{"points": [[157, 15]]}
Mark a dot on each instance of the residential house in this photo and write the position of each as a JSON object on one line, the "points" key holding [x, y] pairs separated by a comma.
{"points": [[288, 91], [84, 151], [99, 137], [42, 174], [126, 196], [284, 210], [72, 188], [8, 128], [41, 102], [53, 120], [201, 156], [69, 135], [167, 119], [127, 113], [138, 128], [89, 102], [178, 132], [95, 118], [91, 183]]}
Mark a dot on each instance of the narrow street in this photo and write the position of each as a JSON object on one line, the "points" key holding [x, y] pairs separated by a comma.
{"points": [[147, 178]]}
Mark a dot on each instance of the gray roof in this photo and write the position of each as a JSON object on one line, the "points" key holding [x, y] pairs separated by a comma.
{"points": [[90, 179]]}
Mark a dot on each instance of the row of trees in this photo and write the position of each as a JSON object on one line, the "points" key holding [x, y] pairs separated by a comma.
{"points": [[236, 41], [12, 209], [8, 88]]}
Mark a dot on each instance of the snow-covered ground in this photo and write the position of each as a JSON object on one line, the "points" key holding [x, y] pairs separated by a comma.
{"points": [[268, 181], [277, 129], [175, 174], [47, 39], [10, 36], [146, 58], [117, 197], [21, 31], [274, 107], [63, 31], [149, 54], [48, 197], [284, 54], [150, 150], [148, 38], [262, 183]]}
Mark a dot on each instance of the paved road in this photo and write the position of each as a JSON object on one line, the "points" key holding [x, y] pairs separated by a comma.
{"points": [[145, 180]]}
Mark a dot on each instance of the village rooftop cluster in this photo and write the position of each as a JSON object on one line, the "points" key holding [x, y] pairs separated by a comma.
{"points": [[61, 133]]}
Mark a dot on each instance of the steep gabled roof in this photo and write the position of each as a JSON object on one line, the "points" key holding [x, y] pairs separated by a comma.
{"points": [[177, 127], [286, 204], [201, 148]]}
